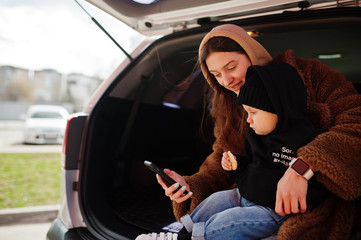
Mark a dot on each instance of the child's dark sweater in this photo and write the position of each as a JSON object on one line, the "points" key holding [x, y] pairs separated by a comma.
{"points": [[267, 157]]}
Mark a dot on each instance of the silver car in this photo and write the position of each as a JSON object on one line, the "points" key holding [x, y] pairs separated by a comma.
{"points": [[45, 124], [151, 107]]}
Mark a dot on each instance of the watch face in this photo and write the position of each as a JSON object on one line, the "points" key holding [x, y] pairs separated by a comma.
{"points": [[300, 166]]}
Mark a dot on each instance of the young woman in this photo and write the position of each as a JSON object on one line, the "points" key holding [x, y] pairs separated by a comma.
{"points": [[334, 156]]}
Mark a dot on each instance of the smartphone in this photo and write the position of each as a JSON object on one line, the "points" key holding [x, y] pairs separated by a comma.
{"points": [[168, 180]]}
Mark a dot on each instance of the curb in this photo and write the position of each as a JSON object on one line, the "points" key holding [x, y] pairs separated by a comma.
{"points": [[39, 214]]}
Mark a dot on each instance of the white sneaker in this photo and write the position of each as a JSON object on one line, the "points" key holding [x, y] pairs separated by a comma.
{"points": [[159, 236]]}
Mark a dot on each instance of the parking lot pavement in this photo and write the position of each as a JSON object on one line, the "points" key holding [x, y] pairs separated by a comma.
{"points": [[20, 148], [31, 223], [12, 137], [35, 231]]}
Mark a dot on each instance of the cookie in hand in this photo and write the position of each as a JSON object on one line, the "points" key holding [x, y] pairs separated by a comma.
{"points": [[233, 160]]}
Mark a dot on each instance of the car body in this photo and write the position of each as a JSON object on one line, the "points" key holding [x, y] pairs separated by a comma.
{"points": [[45, 124], [152, 106]]}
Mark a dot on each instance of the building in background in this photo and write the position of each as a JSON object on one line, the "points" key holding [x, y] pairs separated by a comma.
{"points": [[20, 88], [80, 88], [15, 85]]}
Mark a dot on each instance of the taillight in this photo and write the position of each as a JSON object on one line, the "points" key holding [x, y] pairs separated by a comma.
{"points": [[63, 154], [72, 141]]}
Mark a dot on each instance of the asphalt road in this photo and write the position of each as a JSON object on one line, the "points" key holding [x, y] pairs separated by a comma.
{"points": [[35, 231], [12, 138]]}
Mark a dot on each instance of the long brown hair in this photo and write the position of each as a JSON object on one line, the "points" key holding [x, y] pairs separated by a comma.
{"points": [[230, 118]]}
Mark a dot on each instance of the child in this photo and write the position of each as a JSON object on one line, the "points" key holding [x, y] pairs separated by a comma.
{"points": [[275, 100]]}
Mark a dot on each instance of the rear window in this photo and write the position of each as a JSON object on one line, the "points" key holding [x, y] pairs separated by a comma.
{"points": [[46, 115]]}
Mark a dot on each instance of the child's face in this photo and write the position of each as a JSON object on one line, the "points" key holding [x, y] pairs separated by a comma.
{"points": [[229, 69], [260, 121]]}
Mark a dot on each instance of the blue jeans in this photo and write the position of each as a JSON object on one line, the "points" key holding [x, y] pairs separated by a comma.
{"points": [[226, 215]]}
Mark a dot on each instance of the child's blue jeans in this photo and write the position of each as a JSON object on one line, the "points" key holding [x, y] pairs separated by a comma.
{"points": [[226, 215]]}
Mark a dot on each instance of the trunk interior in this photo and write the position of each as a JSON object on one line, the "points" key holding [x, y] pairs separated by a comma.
{"points": [[154, 117], [153, 111]]}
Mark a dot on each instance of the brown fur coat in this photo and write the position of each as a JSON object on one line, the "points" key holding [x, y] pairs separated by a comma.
{"points": [[333, 104]]}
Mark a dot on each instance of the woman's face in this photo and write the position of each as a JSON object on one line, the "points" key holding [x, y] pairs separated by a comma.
{"points": [[229, 69], [260, 121]]}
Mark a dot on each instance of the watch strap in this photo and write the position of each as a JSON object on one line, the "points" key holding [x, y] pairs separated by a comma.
{"points": [[308, 174]]}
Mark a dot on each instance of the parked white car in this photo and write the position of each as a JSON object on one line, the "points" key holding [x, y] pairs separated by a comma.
{"points": [[45, 124]]}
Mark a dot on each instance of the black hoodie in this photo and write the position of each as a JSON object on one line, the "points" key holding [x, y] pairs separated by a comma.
{"points": [[267, 157]]}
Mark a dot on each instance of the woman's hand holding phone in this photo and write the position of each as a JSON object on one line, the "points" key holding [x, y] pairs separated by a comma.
{"points": [[171, 192]]}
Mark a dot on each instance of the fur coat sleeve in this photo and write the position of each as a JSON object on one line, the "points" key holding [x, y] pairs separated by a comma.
{"points": [[334, 105]]}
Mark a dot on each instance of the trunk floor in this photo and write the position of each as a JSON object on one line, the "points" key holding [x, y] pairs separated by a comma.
{"points": [[149, 210]]}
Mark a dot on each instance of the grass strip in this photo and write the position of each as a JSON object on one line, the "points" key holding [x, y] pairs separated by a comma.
{"points": [[29, 179]]}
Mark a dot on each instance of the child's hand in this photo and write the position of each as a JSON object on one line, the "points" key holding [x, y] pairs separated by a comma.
{"points": [[226, 162]]}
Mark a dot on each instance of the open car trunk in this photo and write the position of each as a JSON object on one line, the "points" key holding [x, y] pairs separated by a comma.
{"points": [[153, 111]]}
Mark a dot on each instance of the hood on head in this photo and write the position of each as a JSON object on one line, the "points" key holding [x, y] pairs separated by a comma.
{"points": [[255, 51], [288, 95], [253, 93], [286, 91]]}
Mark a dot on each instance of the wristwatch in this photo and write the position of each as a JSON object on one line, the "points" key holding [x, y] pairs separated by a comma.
{"points": [[302, 168]]}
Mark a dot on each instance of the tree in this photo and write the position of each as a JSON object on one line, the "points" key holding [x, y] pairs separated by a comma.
{"points": [[18, 90]]}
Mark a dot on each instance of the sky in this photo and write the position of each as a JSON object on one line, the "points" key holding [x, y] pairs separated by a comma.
{"points": [[59, 35]]}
